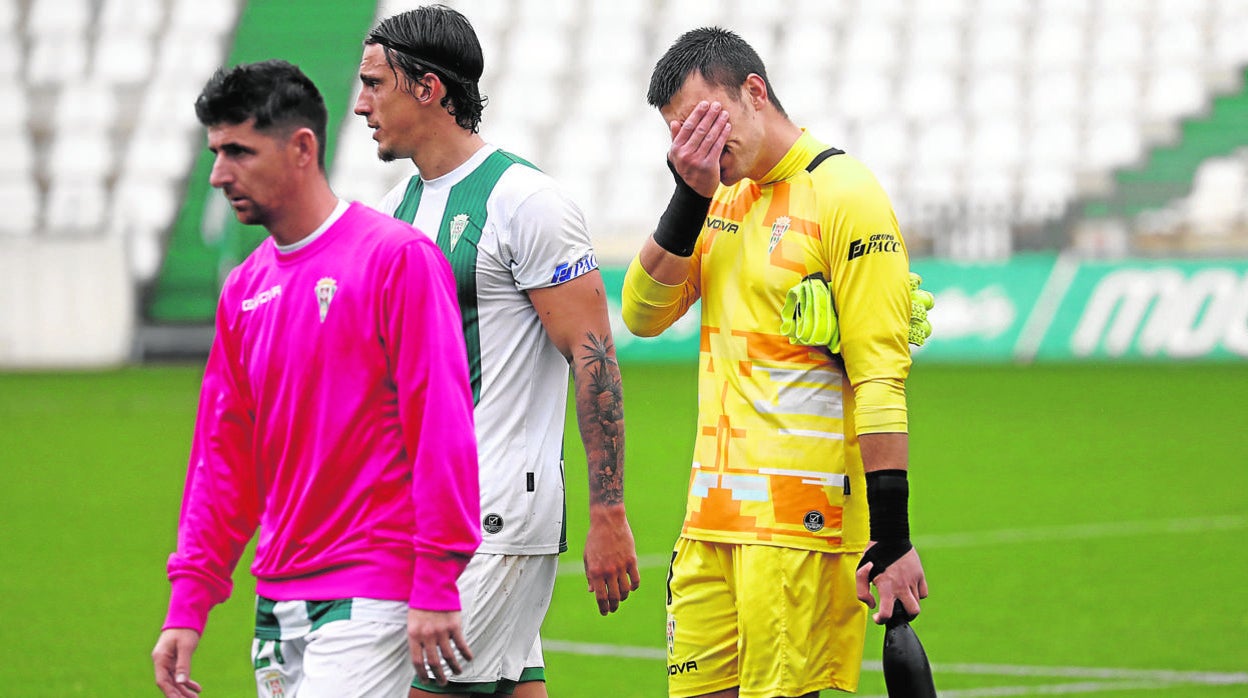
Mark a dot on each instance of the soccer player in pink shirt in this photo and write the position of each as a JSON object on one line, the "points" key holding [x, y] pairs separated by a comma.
{"points": [[335, 418]]}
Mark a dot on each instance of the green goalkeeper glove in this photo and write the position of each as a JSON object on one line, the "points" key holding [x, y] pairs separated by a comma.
{"points": [[808, 317], [920, 302]]}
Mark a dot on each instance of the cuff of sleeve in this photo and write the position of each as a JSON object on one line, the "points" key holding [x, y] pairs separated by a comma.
{"points": [[434, 583], [189, 604], [645, 288], [880, 407]]}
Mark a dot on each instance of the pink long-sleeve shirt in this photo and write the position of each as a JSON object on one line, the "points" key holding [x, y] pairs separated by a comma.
{"points": [[336, 416]]}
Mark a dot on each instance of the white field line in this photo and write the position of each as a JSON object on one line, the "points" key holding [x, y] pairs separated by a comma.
{"points": [[1047, 689], [1101, 679], [1041, 534]]}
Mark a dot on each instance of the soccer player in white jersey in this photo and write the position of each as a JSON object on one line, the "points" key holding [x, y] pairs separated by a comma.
{"points": [[533, 302]]}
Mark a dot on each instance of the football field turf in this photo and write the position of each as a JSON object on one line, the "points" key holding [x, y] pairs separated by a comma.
{"points": [[1082, 527]]}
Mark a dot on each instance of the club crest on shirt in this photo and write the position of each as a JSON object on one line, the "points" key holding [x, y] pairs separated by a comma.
{"points": [[813, 521], [325, 290], [458, 225], [778, 229], [273, 684]]}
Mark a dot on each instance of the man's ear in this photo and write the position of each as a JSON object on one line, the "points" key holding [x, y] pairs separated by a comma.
{"points": [[755, 90], [307, 149]]}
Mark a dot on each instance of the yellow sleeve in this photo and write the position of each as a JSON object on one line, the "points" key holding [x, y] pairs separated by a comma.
{"points": [[649, 307], [869, 269]]}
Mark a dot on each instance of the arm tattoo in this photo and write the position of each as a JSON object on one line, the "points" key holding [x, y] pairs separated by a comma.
{"points": [[600, 413]]}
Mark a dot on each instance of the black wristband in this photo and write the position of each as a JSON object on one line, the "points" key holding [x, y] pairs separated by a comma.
{"points": [[681, 223], [888, 495]]}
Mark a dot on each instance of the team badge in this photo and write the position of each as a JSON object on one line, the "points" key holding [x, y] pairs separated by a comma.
{"points": [[778, 229], [813, 521], [492, 523], [458, 225], [325, 290], [274, 685]]}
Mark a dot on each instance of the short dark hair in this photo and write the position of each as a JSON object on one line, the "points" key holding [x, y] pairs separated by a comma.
{"points": [[720, 56], [437, 39], [275, 93]]}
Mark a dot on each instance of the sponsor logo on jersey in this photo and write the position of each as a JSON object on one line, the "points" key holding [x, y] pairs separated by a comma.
{"points": [[567, 272], [325, 290], [880, 242], [813, 521], [459, 224], [721, 224], [681, 668], [492, 523], [261, 298], [778, 229]]}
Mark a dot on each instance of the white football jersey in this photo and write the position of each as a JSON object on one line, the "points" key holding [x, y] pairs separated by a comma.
{"points": [[507, 227]]}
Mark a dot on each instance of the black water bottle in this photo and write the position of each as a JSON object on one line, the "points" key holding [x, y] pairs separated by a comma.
{"points": [[907, 673]]}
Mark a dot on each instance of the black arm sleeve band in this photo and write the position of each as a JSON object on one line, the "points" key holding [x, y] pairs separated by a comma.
{"points": [[888, 495], [681, 223]]}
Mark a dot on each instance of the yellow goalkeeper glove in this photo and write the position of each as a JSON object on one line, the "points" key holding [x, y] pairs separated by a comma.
{"points": [[920, 302], [808, 317]]}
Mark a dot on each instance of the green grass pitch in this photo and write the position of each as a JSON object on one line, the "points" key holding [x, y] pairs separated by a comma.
{"points": [[1082, 528]]}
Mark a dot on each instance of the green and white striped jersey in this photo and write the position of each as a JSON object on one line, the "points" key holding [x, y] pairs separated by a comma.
{"points": [[506, 228]]}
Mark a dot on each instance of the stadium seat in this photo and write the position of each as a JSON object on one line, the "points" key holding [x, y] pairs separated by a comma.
{"points": [[995, 45], [57, 58], [128, 17], [122, 59], [88, 105], [1111, 144], [927, 94], [1052, 144], [203, 19], [65, 17], [863, 95], [13, 117], [1177, 41], [935, 44], [1118, 45], [19, 199], [882, 144], [1044, 192], [1219, 193], [870, 46], [1173, 92], [166, 155], [1057, 44], [11, 57], [79, 154], [76, 207], [942, 146], [18, 162], [996, 94], [1112, 93], [1057, 94]]}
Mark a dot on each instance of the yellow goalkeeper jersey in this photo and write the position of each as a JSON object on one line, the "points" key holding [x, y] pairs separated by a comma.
{"points": [[776, 457]]}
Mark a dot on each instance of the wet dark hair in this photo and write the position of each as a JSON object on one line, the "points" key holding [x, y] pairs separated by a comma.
{"points": [[275, 93], [720, 56], [436, 39]]}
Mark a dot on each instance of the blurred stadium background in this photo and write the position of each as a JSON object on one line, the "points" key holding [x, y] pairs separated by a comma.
{"points": [[1072, 180], [1075, 131]]}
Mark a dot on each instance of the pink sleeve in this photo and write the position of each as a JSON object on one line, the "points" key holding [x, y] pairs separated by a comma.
{"points": [[425, 343], [220, 503]]}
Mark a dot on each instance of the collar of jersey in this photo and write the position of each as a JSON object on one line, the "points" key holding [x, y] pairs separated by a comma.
{"points": [[794, 161]]}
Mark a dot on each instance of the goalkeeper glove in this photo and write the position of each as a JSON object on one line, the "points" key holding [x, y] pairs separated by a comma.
{"points": [[808, 317], [920, 302]]}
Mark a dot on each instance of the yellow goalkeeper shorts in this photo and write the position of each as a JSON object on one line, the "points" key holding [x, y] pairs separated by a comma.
{"points": [[773, 621]]}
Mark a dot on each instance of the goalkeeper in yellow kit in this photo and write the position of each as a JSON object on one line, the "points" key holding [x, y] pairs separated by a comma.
{"points": [[801, 449]]}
